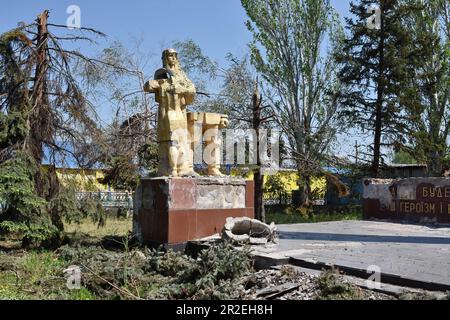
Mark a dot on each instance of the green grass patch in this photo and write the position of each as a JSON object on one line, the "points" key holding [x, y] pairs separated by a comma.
{"points": [[294, 216], [112, 227], [37, 275]]}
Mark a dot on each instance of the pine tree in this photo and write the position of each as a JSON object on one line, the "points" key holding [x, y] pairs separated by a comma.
{"points": [[41, 104], [373, 62], [426, 94]]}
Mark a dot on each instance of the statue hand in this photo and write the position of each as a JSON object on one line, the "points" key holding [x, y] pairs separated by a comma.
{"points": [[175, 90], [151, 86]]}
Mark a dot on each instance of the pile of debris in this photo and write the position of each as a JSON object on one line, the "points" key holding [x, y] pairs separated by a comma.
{"points": [[287, 283], [215, 273]]}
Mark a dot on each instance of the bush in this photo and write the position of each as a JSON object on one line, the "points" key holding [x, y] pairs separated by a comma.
{"points": [[215, 274], [30, 233], [333, 287], [65, 205], [93, 209], [26, 215]]}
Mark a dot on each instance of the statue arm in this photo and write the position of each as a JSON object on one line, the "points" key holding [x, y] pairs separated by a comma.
{"points": [[189, 93], [152, 86], [183, 87]]}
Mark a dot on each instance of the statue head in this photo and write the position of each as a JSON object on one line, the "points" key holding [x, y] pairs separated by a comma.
{"points": [[170, 59]]}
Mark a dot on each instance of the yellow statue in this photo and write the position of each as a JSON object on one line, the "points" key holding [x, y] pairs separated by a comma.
{"points": [[176, 138], [174, 91], [209, 125]]}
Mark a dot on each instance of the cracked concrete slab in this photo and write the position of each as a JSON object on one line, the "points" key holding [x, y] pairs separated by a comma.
{"points": [[416, 255]]}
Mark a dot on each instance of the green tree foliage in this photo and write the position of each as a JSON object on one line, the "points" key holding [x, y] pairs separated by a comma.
{"points": [[18, 192], [133, 152], [289, 50], [25, 212], [374, 59], [122, 174], [42, 110], [13, 124], [26, 215], [275, 186], [426, 94], [402, 157]]}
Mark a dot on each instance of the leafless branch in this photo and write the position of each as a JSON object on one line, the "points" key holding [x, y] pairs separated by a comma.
{"points": [[82, 28]]}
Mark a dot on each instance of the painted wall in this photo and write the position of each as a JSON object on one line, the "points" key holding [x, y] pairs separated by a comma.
{"points": [[82, 179]]}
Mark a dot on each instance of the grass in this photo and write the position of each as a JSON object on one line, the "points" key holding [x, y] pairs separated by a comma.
{"points": [[37, 275], [83, 233], [297, 217], [113, 227], [135, 274]]}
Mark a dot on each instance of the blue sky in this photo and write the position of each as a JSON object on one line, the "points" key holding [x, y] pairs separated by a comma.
{"points": [[218, 26]]}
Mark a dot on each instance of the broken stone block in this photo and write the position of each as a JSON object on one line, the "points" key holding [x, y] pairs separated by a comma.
{"points": [[249, 231]]}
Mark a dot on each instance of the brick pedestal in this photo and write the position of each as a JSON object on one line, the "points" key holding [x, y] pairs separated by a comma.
{"points": [[173, 211]]}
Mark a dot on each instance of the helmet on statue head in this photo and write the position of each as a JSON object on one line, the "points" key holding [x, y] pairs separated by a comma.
{"points": [[169, 51], [165, 57]]}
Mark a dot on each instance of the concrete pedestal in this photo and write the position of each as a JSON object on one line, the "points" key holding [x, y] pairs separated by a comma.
{"points": [[173, 211]]}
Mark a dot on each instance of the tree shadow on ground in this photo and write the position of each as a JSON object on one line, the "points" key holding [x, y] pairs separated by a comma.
{"points": [[319, 236], [109, 242]]}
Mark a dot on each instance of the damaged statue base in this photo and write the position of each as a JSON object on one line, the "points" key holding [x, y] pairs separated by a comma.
{"points": [[243, 231], [173, 211]]}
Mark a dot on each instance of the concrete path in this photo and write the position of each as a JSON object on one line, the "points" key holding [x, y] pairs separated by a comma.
{"points": [[408, 255]]}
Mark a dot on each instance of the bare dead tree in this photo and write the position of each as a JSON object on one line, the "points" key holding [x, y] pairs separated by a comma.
{"points": [[131, 134]]}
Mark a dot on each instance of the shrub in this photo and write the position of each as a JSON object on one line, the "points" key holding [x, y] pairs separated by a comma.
{"points": [[216, 274], [93, 209], [65, 205], [333, 287], [27, 214]]}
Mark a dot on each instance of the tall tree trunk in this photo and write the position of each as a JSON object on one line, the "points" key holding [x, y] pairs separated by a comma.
{"points": [[304, 190], [435, 162], [258, 177], [41, 129], [39, 124], [375, 169]]}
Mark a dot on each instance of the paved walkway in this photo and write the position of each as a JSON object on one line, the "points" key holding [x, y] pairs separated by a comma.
{"points": [[407, 254]]}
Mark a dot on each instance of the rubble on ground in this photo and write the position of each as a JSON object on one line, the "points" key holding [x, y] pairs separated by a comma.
{"points": [[219, 272], [289, 284], [242, 231]]}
